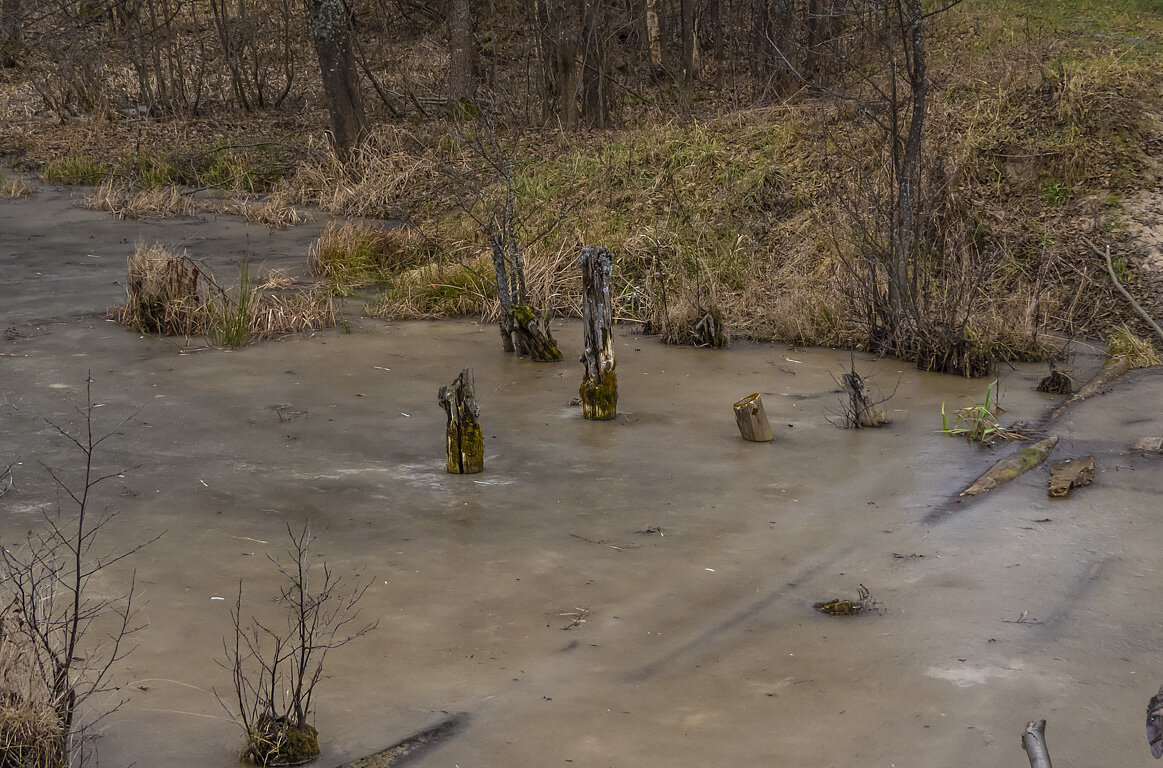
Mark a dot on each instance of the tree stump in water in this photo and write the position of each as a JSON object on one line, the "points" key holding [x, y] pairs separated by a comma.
{"points": [[1069, 474], [465, 442], [752, 419], [599, 388], [862, 411], [522, 330]]}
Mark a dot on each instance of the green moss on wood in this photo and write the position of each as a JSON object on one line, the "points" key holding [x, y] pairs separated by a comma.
{"points": [[472, 448], [600, 398]]}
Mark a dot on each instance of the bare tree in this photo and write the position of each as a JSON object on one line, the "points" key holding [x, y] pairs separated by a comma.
{"points": [[65, 638], [462, 54], [274, 669]]}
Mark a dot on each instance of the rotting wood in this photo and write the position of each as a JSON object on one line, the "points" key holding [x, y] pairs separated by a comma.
{"points": [[752, 419], [1070, 473], [1148, 445], [1056, 382], [465, 442], [862, 411], [599, 388], [1009, 467], [1113, 370], [1034, 742], [523, 330], [413, 746]]}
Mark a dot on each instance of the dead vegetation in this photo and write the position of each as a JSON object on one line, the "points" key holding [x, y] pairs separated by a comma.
{"points": [[167, 293], [29, 737]]}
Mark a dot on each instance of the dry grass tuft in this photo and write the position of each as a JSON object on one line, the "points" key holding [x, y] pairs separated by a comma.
{"points": [[353, 254], [275, 211], [1122, 341], [439, 290], [168, 294], [29, 735], [15, 189], [128, 203]]}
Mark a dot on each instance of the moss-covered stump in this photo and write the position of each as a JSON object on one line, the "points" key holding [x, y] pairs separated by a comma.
{"points": [[599, 399], [273, 741], [599, 387], [464, 441], [526, 334]]}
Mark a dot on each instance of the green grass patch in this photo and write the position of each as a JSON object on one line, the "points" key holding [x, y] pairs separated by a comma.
{"points": [[75, 170]]}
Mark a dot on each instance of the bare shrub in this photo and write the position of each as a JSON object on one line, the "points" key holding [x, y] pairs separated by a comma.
{"points": [[274, 669], [59, 637]]}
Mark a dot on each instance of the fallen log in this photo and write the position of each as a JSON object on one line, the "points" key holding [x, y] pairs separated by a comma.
{"points": [[599, 387], [1069, 474], [1034, 742], [413, 746], [464, 441], [1113, 370], [752, 419], [1014, 465]]}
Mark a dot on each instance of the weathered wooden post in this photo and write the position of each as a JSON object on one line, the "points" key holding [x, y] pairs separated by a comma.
{"points": [[465, 441], [599, 388], [752, 419]]}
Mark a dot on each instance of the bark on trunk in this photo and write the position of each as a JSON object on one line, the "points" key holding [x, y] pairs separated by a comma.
{"points": [[654, 36], [752, 419], [465, 443], [331, 32], [1016, 464], [462, 55], [11, 32], [599, 388], [523, 330]]}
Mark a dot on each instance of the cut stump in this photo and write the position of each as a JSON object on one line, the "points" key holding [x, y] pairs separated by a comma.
{"points": [[1070, 473], [599, 387], [752, 419], [465, 442], [1014, 465]]}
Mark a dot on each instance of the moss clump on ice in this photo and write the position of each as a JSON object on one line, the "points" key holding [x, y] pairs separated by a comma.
{"points": [[275, 742], [600, 398]]}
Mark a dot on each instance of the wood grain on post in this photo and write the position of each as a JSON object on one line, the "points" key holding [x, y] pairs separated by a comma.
{"points": [[599, 388], [752, 419], [465, 443]]}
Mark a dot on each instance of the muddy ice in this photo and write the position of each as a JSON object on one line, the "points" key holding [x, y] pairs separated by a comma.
{"points": [[630, 593]]}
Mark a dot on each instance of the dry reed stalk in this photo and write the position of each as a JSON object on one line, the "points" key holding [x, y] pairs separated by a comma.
{"points": [[125, 203], [16, 189]]}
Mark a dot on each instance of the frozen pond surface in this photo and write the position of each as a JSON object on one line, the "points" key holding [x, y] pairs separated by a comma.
{"points": [[699, 645]]}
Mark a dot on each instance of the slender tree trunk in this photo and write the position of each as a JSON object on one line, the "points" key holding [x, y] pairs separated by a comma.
{"points": [[654, 36], [11, 32], [595, 98], [687, 21], [331, 31], [462, 82], [908, 182]]}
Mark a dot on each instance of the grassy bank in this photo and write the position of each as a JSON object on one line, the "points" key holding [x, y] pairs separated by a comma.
{"points": [[1037, 130]]}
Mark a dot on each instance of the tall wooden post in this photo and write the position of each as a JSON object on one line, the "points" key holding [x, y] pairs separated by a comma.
{"points": [[599, 388], [465, 442]]}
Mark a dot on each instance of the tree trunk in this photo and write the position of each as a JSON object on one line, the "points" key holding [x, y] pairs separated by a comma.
{"points": [[11, 32], [687, 20], [752, 419], [465, 443], [654, 37], [331, 31], [462, 55], [902, 293], [595, 96], [599, 388]]}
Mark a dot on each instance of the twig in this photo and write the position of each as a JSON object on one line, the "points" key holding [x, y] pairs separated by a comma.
{"points": [[1111, 271]]}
